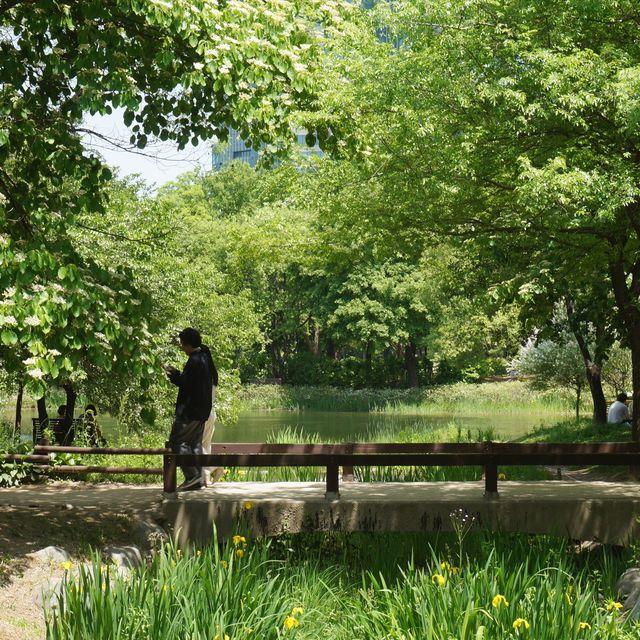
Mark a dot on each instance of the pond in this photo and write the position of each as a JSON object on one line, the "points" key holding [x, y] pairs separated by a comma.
{"points": [[335, 426]]}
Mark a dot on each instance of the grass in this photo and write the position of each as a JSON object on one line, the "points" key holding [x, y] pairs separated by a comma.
{"points": [[353, 586], [462, 399], [584, 430]]}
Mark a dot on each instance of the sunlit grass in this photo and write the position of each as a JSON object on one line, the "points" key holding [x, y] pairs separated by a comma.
{"points": [[458, 399]]}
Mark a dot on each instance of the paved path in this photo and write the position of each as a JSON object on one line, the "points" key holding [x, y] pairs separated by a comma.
{"points": [[85, 495], [582, 510]]}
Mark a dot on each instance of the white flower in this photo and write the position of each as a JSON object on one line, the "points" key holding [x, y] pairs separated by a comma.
{"points": [[58, 300], [198, 65], [36, 373], [32, 321], [54, 352], [29, 361], [9, 292], [20, 257], [39, 288], [8, 321]]}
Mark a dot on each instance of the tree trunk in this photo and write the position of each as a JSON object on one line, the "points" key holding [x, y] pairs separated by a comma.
{"points": [[17, 425], [629, 313], [592, 369], [578, 394], [44, 421], [71, 407], [42, 409], [330, 349], [411, 365]]}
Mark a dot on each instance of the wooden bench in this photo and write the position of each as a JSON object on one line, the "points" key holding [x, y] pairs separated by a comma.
{"points": [[55, 424]]}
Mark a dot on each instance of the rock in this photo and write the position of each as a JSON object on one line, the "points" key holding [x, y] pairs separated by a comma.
{"points": [[47, 594], [129, 556], [629, 585], [149, 535], [52, 554]]}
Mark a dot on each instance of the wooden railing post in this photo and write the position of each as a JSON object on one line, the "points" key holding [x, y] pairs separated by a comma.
{"points": [[169, 471], [333, 488], [347, 470], [490, 472]]}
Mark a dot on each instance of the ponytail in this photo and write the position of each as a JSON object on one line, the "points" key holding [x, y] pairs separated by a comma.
{"points": [[212, 366]]}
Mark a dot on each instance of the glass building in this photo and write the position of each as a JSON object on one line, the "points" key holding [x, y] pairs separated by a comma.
{"points": [[236, 149]]}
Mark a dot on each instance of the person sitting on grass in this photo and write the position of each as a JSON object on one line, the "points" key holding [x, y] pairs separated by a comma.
{"points": [[619, 411]]}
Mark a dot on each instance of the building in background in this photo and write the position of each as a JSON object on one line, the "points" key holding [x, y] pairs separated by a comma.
{"points": [[236, 149]]}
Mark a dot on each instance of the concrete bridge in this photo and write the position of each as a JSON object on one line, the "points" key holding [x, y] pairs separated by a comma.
{"points": [[603, 511]]}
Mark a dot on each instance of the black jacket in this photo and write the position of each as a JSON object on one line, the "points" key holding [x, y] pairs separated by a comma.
{"points": [[195, 385]]}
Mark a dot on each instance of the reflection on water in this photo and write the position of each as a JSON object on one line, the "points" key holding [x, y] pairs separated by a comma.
{"points": [[335, 426]]}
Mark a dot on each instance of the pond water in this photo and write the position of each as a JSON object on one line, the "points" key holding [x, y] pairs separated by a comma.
{"points": [[336, 426]]}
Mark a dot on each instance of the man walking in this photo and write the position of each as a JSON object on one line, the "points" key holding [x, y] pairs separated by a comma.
{"points": [[193, 405]]}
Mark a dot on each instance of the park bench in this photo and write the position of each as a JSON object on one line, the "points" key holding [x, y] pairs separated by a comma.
{"points": [[52, 423]]}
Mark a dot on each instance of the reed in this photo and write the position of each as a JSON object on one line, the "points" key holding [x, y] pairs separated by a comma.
{"points": [[344, 586]]}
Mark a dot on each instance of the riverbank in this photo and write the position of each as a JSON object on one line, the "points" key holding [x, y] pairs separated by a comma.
{"points": [[512, 397]]}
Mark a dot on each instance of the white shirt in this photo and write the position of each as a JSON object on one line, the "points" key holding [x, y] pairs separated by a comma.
{"points": [[618, 412]]}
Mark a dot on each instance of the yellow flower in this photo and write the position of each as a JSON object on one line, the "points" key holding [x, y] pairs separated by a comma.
{"points": [[614, 606], [248, 505], [67, 565], [501, 476], [239, 553], [297, 611], [224, 564], [520, 622], [498, 600], [583, 625], [291, 623], [198, 553], [242, 473], [438, 579], [226, 636], [104, 586], [239, 540], [445, 566]]}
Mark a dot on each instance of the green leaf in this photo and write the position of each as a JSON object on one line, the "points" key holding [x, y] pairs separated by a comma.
{"points": [[9, 338]]}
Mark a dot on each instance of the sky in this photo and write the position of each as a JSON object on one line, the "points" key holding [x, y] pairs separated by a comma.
{"points": [[158, 163]]}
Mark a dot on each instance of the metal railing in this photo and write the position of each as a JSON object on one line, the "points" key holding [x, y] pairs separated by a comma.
{"points": [[489, 455]]}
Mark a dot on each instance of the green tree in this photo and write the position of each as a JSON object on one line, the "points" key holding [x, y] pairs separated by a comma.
{"points": [[180, 71], [553, 364], [512, 124]]}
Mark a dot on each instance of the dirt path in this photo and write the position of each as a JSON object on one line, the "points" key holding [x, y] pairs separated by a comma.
{"points": [[79, 517]]}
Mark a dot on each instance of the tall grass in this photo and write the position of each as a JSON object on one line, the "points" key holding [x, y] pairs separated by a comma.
{"points": [[347, 586], [464, 399]]}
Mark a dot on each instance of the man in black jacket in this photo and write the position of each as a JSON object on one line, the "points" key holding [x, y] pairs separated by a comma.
{"points": [[193, 404]]}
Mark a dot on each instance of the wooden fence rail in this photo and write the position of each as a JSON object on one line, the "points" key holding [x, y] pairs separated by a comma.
{"points": [[489, 455]]}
